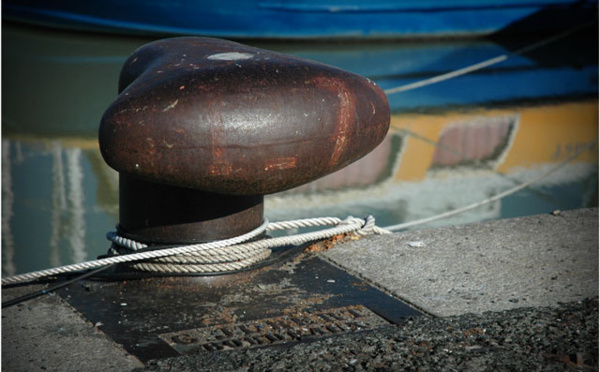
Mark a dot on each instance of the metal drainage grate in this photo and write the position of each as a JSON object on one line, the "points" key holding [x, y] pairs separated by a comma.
{"points": [[277, 330], [296, 300]]}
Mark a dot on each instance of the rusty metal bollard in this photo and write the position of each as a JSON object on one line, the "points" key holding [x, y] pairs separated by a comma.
{"points": [[203, 128]]}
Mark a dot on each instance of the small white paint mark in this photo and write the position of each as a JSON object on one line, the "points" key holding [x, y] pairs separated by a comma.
{"points": [[172, 105], [230, 56], [416, 244], [330, 281]]}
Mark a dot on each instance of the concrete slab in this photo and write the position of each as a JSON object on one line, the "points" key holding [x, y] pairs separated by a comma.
{"points": [[493, 266], [47, 334]]}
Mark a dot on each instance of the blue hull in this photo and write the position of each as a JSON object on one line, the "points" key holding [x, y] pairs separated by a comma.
{"points": [[75, 75], [304, 19]]}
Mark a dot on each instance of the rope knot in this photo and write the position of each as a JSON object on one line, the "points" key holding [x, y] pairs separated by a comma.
{"points": [[368, 226], [365, 226]]}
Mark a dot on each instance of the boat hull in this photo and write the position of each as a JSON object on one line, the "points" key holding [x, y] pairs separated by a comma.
{"points": [[304, 19]]}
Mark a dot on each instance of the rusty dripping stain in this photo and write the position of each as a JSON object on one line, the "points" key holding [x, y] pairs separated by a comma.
{"points": [[281, 163]]}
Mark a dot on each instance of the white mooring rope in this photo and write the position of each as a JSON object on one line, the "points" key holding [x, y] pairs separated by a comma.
{"points": [[213, 257]]}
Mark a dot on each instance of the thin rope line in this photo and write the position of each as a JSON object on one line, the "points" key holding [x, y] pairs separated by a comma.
{"points": [[484, 64], [447, 76], [489, 200]]}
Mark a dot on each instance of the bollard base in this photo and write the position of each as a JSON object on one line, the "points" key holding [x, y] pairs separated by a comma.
{"points": [[154, 213]]}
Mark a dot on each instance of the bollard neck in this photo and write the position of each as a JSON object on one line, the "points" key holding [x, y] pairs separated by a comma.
{"points": [[165, 215]]}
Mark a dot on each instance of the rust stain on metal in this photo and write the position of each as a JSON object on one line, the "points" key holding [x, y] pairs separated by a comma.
{"points": [[344, 118], [281, 163], [327, 244], [221, 169], [301, 305], [346, 114], [219, 166]]}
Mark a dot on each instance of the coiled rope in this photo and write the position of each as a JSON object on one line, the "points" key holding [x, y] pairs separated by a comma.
{"points": [[213, 257]]}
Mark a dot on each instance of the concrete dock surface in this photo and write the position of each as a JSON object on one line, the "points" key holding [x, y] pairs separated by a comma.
{"points": [[493, 266], [506, 295]]}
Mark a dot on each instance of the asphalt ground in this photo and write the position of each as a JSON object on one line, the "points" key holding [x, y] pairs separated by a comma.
{"points": [[562, 338]]}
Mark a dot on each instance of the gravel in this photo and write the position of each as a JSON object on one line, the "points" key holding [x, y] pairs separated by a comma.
{"points": [[562, 338]]}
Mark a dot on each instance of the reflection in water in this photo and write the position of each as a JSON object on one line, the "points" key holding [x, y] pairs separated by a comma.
{"points": [[59, 201], [8, 200], [449, 145], [477, 142], [51, 211], [69, 202], [440, 162], [76, 225]]}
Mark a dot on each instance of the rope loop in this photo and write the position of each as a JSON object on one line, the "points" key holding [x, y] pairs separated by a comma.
{"points": [[124, 242], [368, 227], [212, 257]]}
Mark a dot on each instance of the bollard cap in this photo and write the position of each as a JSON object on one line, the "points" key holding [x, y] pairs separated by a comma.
{"points": [[226, 118]]}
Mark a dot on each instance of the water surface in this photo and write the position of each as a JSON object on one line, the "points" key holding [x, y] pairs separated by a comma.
{"points": [[449, 145]]}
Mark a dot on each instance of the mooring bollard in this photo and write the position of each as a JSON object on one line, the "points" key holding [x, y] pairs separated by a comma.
{"points": [[203, 128]]}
